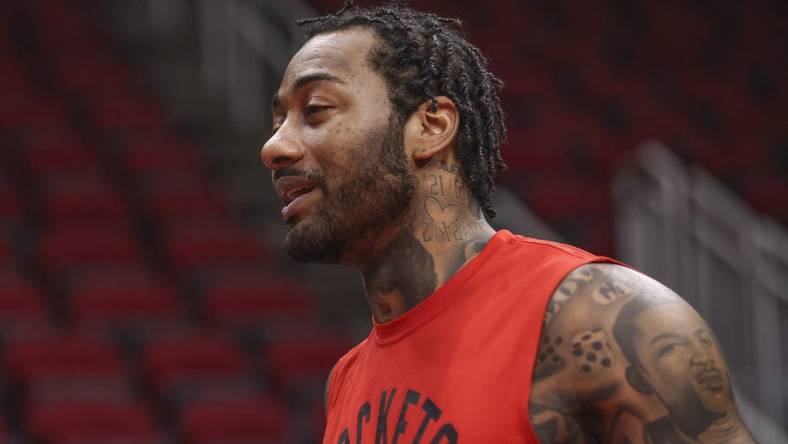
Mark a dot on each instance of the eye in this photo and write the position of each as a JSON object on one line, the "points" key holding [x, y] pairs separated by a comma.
{"points": [[313, 109], [669, 346], [665, 349], [705, 340]]}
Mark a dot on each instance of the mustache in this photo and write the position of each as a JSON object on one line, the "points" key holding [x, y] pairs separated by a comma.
{"points": [[295, 172]]}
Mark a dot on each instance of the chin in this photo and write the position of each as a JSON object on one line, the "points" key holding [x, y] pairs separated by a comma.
{"points": [[315, 241]]}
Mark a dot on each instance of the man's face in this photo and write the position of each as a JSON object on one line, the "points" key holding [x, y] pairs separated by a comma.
{"points": [[682, 361], [336, 155]]}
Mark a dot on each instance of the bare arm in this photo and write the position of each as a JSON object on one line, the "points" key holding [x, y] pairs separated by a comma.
{"points": [[623, 359]]}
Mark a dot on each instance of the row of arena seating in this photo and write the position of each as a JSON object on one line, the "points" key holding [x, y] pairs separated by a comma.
{"points": [[135, 307]]}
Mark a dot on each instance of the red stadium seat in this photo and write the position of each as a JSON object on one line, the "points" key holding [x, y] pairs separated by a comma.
{"points": [[228, 422], [29, 111], [174, 204], [113, 298], [162, 155], [769, 194], [10, 206], [6, 250], [300, 362], [256, 300], [5, 437], [21, 302], [12, 74], [176, 365], [178, 195], [71, 247], [92, 422], [49, 155], [82, 196], [94, 78], [211, 245], [66, 367], [123, 113]]}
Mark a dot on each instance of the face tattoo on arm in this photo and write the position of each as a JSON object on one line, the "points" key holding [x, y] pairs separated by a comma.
{"points": [[624, 359]]}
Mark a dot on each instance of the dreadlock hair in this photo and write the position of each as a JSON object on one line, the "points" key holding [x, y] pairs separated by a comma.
{"points": [[421, 56]]}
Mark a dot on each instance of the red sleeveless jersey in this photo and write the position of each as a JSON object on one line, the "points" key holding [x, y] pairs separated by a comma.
{"points": [[457, 367]]}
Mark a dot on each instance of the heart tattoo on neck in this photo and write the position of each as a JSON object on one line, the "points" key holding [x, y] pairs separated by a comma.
{"points": [[441, 214]]}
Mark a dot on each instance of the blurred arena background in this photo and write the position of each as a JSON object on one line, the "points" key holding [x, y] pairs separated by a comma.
{"points": [[143, 294]]}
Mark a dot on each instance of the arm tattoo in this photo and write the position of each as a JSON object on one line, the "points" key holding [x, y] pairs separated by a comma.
{"points": [[559, 427], [624, 350]]}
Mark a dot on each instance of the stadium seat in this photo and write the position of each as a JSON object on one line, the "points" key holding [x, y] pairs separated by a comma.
{"points": [[66, 367], [256, 301], [301, 363], [259, 421], [84, 196], [82, 246], [93, 422], [158, 154], [29, 111], [113, 298], [5, 433], [21, 302], [176, 366], [174, 204], [195, 246], [127, 113], [94, 78], [769, 194], [10, 207], [7, 257]]}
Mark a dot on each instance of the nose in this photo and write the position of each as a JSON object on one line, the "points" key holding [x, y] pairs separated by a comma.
{"points": [[281, 150], [701, 359]]}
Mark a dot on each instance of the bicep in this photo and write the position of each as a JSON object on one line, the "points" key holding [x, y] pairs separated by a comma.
{"points": [[636, 358], [553, 425]]}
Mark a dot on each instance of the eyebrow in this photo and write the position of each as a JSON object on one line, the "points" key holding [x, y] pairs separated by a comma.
{"points": [[666, 336], [305, 79]]}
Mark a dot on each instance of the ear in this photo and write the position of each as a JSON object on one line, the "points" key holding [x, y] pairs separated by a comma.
{"points": [[430, 131], [637, 381]]}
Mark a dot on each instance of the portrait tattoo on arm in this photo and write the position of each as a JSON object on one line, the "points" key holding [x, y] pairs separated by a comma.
{"points": [[626, 360]]}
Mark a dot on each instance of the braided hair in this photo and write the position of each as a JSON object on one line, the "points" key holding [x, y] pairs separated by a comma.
{"points": [[422, 56]]}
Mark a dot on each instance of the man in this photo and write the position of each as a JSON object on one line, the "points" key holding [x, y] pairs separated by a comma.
{"points": [[385, 146]]}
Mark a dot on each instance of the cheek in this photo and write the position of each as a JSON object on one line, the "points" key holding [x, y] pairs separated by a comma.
{"points": [[674, 366], [329, 150]]}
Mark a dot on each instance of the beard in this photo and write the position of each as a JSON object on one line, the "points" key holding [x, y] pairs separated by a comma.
{"points": [[371, 198]]}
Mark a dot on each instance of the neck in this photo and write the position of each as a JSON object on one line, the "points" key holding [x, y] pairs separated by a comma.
{"points": [[446, 230]]}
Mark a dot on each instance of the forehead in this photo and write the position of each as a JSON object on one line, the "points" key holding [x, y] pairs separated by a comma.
{"points": [[341, 53], [667, 318]]}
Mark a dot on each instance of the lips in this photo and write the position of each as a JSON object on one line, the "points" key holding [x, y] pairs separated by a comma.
{"points": [[290, 188], [711, 379], [293, 190]]}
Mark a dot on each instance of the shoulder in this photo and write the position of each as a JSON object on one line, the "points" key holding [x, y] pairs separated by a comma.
{"points": [[600, 289], [553, 260], [623, 356], [587, 323], [545, 246], [577, 342]]}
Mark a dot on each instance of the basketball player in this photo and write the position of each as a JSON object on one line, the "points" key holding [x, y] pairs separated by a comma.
{"points": [[385, 145]]}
